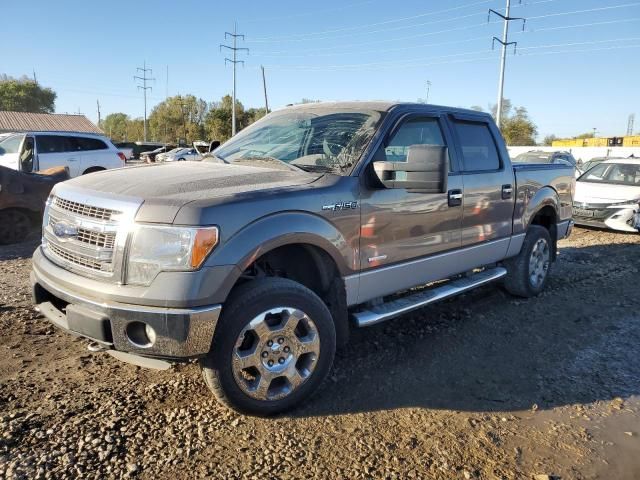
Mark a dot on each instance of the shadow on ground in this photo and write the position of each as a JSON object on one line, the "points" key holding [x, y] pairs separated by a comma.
{"points": [[486, 351]]}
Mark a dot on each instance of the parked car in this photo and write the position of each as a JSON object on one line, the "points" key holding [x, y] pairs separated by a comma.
{"points": [[81, 153], [140, 147], [161, 156], [22, 200], [586, 166], [540, 156], [151, 156], [182, 155], [255, 259], [127, 148], [608, 194]]}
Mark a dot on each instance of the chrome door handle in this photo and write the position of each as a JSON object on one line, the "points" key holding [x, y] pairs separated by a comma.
{"points": [[507, 192]]}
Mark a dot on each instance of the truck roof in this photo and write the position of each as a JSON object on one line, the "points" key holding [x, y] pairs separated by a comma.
{"points": [[380, 105]]}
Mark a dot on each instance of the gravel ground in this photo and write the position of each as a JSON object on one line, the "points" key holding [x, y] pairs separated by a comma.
{"points": [[482, 386]]}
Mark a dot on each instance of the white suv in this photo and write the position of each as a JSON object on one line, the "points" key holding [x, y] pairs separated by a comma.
{"points": [[80, 152]]}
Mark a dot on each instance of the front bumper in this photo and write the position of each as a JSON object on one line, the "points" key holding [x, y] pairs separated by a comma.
{"points": [[610, 217], [178, 333]]}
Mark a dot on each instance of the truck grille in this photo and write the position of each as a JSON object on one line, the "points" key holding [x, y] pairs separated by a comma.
{"points": [[77, 259], [98, 239], [85, 210], [82, 237]]}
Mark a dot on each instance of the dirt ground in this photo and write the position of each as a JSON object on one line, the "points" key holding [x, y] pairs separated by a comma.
{"points": [[482, 386]]}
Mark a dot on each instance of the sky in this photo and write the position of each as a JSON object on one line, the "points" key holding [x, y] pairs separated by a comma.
{"points": [[575, 67]]}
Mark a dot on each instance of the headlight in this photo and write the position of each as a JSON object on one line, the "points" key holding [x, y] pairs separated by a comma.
{"points": [[159, 248]]}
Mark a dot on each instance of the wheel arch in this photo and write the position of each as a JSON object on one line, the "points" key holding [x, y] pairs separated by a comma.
{"points": [[543, 210], [93, 169], [301, 247]]}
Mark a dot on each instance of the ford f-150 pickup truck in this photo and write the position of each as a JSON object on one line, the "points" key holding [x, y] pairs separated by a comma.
{"points": [[318, 218]]}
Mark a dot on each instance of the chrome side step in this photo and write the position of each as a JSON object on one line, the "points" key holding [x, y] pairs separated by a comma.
{"points": [[400, 306]]}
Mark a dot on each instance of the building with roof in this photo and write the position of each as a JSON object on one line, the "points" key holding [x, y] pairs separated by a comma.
{"points": [[45, 122]]}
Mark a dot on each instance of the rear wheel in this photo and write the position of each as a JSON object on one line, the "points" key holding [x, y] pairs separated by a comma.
{"points": [[273, 346], [14, 226], [527, 273]]}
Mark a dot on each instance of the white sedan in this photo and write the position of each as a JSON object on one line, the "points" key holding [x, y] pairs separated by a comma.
{"points": [[183, 155], [608, 196]]}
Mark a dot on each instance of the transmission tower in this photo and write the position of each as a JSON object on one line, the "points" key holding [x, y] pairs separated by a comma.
{"points": [[632, 119], [503, 58], [233, 61], [144, 88]]}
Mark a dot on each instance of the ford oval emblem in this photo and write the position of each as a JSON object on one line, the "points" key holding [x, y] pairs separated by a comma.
{"points": [[64, 230]]}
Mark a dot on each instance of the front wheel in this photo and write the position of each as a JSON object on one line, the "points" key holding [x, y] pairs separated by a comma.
{"points": [[527, 273], [273, 347]]}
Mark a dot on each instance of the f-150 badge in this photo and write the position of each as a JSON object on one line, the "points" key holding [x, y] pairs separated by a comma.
{"points": [[340, 206]]}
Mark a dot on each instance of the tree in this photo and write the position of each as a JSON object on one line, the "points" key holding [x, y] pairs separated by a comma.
{"points": [[25, 95], [549, 139], [179, 117], [517, 128], [585, 135], [116, 126]]}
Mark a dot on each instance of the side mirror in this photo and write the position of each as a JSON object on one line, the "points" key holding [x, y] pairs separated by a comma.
{"points": [[426, 170]]}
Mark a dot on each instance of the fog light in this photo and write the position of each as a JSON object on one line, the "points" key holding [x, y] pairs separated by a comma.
{"points": [[141, 335]]}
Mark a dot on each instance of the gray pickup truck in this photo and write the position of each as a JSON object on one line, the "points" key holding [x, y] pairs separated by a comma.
{"points": [[318, 218]]}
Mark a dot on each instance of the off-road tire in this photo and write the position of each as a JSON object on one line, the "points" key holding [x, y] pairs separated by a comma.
{"points": [[245, 303], [517, 281]]}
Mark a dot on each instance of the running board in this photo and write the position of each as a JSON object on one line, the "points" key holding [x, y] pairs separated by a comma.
{"points": [[400, 306]]}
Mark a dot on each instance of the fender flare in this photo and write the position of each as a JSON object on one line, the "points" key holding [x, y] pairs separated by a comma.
{"points": [[545, 197], [284, 228]]}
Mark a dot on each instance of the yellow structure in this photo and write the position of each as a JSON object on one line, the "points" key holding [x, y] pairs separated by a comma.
{"points": [[630, 141]]}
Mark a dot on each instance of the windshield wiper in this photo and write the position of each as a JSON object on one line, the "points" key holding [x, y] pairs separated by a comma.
{"points": [[266, 158]]}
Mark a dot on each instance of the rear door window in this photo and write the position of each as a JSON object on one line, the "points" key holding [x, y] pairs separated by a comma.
{"points": [[51, 144], [479, 151], [86, 143]]}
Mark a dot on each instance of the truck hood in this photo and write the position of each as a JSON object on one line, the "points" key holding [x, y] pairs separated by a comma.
{"points": [[165, 188], [590, 192]]}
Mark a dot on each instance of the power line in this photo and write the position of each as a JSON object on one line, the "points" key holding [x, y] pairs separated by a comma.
{"points": [[299, 36], [312, 35], [234, 62], [529, 30], [144, 88], [412, 62], [307, 14]]}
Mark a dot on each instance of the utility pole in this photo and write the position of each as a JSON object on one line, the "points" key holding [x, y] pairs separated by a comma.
{"points": [[98, 103], [630, 122], [264, 87], [35, 79], [428, 88], [144, 88], [233, 61], [503, 58]]}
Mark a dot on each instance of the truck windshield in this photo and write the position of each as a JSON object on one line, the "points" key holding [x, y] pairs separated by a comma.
{"points": [[317, 139]]}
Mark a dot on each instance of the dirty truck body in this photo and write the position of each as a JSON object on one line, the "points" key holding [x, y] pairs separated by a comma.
{"points": [[259, 259]]}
